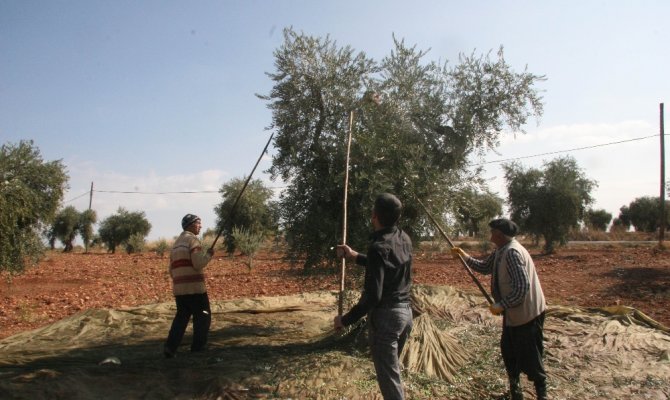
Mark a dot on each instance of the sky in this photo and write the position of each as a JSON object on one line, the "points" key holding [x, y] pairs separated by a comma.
{"points": [[156, 97]]}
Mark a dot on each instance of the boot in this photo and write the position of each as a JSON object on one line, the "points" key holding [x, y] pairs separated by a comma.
{"points": [[541, 389], [515, 391]]}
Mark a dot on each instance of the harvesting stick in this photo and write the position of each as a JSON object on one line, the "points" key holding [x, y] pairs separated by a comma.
{"points": [[232, 209], [340, 305], [465, 264]]}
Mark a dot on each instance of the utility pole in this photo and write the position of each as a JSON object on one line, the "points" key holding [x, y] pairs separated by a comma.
{"points": [[90, 197], [664, 218]]}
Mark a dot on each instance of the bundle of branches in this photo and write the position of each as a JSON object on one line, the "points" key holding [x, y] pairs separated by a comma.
{"points": [[432, 351]]}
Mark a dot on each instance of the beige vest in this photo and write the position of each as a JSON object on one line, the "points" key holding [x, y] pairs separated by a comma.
{"points": [[533, 304]]}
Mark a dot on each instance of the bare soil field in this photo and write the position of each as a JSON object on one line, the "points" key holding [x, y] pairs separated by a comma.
{"points": [[64, 284], [82, 326]]}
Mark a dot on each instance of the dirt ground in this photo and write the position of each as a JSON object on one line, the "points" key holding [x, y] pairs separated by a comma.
{"points": [[91, 326], [64, 284]]}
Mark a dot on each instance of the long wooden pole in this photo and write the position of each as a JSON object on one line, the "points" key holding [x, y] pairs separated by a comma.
{"points": [[232, 209], [664, 218], [465, 264], [340, 305]]}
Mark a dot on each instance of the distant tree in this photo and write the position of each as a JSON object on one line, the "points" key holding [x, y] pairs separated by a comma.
{"points": [[248, 242], [623, 220], [31, 190], [66, 227], [475, 209], [87, 219], [548, 202], [645, 214], [117, 229], [253, 212], [597, 219], [135, 243], [415, 123]]}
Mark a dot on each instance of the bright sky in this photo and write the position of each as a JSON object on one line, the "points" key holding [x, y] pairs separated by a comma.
{"points": [[159, 96]]}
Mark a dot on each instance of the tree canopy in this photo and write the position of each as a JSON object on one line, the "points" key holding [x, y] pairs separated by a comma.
{"points": [[31, 190], [597, 219], [475, 209], [550, 201], [118, 228], [644, 213], [253, 214], [414, 124]]}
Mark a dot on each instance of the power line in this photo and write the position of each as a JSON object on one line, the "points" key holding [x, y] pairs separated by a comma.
{"points": [[563, 151], [472, 165]]}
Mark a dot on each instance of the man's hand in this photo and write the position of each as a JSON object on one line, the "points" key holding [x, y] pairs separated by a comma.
{"points": [[496, 309], [457, 251], [337, 322], [345, 251]]}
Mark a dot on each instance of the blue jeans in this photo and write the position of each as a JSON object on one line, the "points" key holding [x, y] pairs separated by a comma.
{"points": [[388, 330]]}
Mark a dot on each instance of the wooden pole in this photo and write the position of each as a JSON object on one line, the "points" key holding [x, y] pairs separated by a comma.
{"points": [[340, 305], [90, 203], [664, 218], [465, 264]]}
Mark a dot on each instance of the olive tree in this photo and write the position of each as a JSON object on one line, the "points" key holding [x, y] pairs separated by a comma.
{"points": [[548, 202], [253, 213], [644, 213], [414, 124], [475, 209], [31, 190], [597, 219], [117, 229]]}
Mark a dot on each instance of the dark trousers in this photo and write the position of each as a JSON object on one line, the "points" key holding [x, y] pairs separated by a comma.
{"points": [[388, 330], [196, 305], [522, 351]]}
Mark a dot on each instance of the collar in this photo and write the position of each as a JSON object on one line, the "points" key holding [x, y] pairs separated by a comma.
{"points": [[383, 231]]}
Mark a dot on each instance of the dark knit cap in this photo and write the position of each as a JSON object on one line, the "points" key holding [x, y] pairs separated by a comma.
{"points": [[504, 225], [388, 209], [188, 220]]}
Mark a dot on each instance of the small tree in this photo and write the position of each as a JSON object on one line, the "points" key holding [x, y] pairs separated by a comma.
{"points": [[475, 209], [161, 247], [31, 190], [118, 228], [644, 213], [248, 242], [252, 213], [86, 220], [548, 202], [135, 243], [597, 219], [66, 226]]}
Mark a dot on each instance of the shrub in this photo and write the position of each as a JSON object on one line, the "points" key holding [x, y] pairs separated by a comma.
{"points": [[160, 247], [135, 243], [248, 243]]}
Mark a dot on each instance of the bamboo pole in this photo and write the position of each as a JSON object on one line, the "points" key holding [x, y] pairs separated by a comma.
{"points": [[664, 218], [340, 305]]}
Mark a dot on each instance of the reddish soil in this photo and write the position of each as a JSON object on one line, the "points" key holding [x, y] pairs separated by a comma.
{"points": [[64, 284]]}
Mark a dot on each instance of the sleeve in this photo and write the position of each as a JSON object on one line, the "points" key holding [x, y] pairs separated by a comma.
{"points": [[372, 289], [519, 277], [484, 266], [199, 258]]}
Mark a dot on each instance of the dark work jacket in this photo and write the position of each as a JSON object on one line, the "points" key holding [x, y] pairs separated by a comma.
{"points": [[388, 273]]}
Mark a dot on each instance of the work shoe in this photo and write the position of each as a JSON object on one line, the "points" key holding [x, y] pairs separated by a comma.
{"points": [[169, 353]]}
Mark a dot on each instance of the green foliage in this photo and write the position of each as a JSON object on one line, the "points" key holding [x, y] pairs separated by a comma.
{"points": [[597, 219], [65, 227], [413, 143], [86, 220], [30, 191], [474, 210], [248, 242], [254, 211], [161, 247], [548, 202], [135, 243], [644, 213], [118, 228]]}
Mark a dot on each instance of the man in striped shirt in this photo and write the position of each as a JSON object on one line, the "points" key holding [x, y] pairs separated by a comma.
{"points": [[187, 261], [518, 296]]}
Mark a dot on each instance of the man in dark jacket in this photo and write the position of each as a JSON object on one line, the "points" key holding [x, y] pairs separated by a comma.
{"points": [[386, 293]]}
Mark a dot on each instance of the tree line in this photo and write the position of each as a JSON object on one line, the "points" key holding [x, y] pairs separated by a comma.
{"points": [[416, 122]]}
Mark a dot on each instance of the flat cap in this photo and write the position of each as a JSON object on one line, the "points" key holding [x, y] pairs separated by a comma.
{"points": [[504, 225]]}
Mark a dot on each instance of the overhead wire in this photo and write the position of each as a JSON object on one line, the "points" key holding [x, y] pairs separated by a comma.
{"points": [[472, 165]]}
